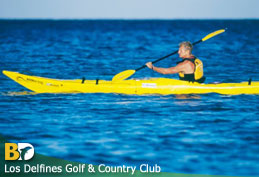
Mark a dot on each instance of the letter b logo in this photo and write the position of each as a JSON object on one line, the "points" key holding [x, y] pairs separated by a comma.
{"points": [[11, 152], [20, 151]]}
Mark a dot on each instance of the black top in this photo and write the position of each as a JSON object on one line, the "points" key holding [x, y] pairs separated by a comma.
{"points": [[190, 77]]}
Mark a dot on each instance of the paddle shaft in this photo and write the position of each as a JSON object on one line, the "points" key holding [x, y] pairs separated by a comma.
{"points": [[175, 52], [126, 74]]}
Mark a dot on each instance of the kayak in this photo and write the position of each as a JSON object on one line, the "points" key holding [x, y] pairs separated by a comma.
{"points": [[162, 86]]}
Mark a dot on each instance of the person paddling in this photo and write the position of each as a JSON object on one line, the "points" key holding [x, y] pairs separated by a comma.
{"points": [[189, 69]]}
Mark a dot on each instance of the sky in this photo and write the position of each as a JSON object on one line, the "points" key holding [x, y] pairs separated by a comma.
{"points": [[129, 9]]}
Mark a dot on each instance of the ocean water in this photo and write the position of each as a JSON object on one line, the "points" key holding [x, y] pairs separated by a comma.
{"points": [[202, 134]]}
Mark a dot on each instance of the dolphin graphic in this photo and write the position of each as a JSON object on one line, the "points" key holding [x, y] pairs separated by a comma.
{"points": [[24, 151]]}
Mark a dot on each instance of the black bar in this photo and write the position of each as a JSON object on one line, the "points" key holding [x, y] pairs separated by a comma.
{"points": [[175, 52]]}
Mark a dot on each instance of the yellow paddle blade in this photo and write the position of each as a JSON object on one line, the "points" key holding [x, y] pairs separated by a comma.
{"points": [[213, 34], [123, 75]]}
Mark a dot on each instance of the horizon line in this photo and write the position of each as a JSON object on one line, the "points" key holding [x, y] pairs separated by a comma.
{"points": [[8, 18]]}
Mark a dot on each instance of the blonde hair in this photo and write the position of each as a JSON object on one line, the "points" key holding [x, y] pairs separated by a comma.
{"points": [[187, 45]]}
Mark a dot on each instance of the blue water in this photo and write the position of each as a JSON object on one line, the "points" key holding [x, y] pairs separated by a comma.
{"points": [[202, 134]]}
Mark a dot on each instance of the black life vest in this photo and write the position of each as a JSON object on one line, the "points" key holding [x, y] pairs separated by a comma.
{"points": [[197, 76]]}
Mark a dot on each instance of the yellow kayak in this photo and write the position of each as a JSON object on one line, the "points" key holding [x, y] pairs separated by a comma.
{"points": [[162, 86]]}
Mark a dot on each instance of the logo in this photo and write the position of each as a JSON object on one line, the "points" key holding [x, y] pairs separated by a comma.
{"points": [[20, 151]]}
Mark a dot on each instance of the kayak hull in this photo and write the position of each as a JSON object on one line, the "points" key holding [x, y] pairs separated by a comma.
{"points": [[162, 86]]}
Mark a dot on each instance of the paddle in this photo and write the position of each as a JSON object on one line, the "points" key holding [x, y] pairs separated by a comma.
{"points": [[127, 73]]}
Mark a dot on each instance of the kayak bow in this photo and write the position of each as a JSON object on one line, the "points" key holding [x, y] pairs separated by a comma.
{"points": [[162, 86]]}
